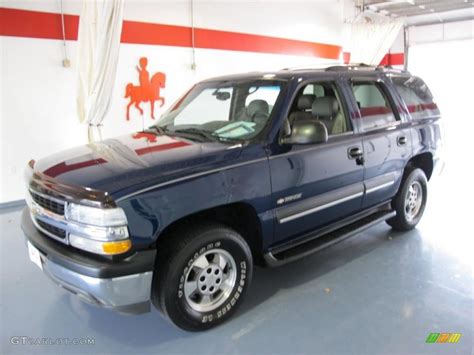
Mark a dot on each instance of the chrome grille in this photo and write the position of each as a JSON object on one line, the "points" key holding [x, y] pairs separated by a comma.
{"points": [[48, 203], [48, 215], [58, 232]]}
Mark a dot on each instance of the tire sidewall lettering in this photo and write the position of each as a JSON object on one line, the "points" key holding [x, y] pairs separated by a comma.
{"points": [[239, 287]]}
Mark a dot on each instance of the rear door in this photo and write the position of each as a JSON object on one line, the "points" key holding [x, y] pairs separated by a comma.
{"points": [[385, 137], [316, 184], [419, 106]]}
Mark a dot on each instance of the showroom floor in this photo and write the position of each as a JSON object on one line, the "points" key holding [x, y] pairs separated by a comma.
{"points": [[382, 292]]}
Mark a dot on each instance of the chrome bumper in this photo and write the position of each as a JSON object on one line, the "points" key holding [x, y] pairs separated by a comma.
{"points": [[122, 286], [126, 294]]}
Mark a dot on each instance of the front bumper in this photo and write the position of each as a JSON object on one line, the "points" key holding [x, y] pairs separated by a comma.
{"points": [[124, 285]]}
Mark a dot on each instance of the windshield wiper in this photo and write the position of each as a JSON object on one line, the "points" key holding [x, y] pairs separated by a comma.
{"points": [[208, 135], [195, 132], [159, 129]]}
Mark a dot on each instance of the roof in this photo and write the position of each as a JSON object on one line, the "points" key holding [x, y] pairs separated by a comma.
{"points": [[288, 73]]}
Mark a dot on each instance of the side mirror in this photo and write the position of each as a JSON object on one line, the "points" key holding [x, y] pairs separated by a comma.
{"points": [[307, 132]]}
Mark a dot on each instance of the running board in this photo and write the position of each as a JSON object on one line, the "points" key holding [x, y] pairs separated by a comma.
{"points": [[317, 242]]}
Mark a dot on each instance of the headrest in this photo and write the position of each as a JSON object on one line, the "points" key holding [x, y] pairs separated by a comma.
{"points": [[326, 106], [257, 107], [306, 101], [286, 128]]}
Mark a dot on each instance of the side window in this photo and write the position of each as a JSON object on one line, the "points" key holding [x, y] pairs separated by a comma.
{"points": [[417, 97], [374, 107], [321, 101]]}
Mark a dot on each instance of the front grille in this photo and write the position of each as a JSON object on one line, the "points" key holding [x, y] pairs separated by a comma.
{"points": [[49, 204], [58, 232]]}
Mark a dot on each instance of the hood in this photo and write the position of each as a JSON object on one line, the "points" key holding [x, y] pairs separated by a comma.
{"points": [[134, 161]]}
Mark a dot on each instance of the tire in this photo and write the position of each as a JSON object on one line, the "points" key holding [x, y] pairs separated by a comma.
{"points": [[202, 276], [410, 201]]}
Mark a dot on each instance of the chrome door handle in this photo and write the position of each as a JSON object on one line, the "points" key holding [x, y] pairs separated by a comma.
{"points": [[355, 152], [402, 140]]}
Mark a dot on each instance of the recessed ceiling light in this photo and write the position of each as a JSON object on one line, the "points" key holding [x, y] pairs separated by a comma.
{"points": [[422, 7]]}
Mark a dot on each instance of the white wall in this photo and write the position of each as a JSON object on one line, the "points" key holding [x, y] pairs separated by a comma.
{"points": [[453, 31], [447, 69], [38, 95], [442, 54]]}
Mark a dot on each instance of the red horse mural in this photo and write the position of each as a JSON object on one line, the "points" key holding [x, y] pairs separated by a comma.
{"points": [[148, 91]]}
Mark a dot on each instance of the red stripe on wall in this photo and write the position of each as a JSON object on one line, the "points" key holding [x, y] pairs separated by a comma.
{"points": [[388, 59], [393, 59], [346, 57], [35, 24]]}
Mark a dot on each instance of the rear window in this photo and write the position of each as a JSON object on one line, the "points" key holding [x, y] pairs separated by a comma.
{"points": [[417, 97]]}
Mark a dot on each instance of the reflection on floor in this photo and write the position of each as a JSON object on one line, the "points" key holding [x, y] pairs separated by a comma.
{"points": [[382, 292]]}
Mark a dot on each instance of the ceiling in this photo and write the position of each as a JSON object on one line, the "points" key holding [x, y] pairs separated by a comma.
{"points": [[423, 11]]}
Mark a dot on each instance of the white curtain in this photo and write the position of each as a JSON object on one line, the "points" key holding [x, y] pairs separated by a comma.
{"points": [[372, 35], [100, 27]]}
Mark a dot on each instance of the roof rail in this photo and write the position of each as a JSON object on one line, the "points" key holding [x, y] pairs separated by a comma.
{"points": [[313, 67], [362, 66], [346, 67], [352, 66]]}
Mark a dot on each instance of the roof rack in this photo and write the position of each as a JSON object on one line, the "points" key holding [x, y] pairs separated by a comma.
{"points": [[363, 66], [345, 67], [314, 67]]}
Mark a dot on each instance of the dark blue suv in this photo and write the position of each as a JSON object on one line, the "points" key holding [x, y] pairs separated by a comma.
{"points": [[254, 168]]}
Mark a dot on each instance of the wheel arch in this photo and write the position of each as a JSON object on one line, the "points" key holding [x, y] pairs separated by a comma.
{"points": [[240, 216], [423, 161]]}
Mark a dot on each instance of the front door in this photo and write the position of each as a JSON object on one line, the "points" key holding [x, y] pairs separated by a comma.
{"points": [[316, 184]]}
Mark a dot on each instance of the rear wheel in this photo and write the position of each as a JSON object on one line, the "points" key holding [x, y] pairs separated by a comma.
{"points": [[202, 278], [410, 201]]}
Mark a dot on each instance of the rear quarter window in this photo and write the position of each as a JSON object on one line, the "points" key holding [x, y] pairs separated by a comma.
{"points": [[417, 97]]}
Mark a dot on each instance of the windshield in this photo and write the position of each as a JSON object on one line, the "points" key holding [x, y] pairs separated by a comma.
{"points": [[224, 111]]}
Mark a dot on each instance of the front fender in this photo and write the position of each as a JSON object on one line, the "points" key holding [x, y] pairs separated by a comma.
{"points": [[246, 181]]}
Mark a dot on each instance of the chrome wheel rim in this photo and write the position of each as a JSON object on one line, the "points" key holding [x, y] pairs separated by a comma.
{"points": [[413, 200], [210, 280]]}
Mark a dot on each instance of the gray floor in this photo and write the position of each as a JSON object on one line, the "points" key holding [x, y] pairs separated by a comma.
{"points": [[380, 293]]}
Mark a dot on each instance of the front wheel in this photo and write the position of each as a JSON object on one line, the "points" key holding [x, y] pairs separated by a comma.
{"points": [[201, 280], [410, 201]]}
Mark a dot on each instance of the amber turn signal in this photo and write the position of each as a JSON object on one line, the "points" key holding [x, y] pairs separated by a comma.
{"points": [[118, 247]]}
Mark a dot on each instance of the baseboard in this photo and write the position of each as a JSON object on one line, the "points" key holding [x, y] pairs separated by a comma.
{"points": [[12, 204]]}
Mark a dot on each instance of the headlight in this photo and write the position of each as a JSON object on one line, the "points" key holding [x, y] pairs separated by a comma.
{"points": [[97, 230], [107, 217]]}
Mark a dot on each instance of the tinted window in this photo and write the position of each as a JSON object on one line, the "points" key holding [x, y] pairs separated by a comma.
{"points": [[328, 107], [374, 106], [417, 96]]}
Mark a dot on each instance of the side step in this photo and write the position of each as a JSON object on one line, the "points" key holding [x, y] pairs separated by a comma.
{"points": [[279, 256]]}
